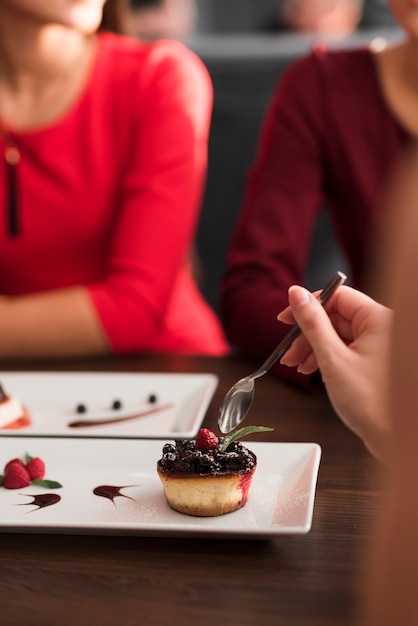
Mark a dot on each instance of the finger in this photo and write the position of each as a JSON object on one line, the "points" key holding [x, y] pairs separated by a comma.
{"points": [[297, 353], [315, 324], [346, 302], [300, 353], [286, 316], [308, 365], [337, 309]]}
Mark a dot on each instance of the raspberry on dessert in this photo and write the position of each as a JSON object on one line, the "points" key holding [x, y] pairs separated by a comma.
{"points": [[35, 468], [206, 440], [16, 476]]}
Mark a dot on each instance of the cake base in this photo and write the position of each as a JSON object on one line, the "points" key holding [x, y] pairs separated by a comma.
{"points": [[206, 496]]}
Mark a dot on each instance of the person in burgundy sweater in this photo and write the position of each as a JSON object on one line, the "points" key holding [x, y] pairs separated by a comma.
{"points": [[334, 131], [105, 144]]}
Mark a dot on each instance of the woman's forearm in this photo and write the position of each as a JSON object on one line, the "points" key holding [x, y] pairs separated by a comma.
{"points": [[51, 324]]}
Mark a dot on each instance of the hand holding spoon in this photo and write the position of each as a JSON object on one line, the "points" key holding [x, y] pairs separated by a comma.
{"points": [[238, 400]]}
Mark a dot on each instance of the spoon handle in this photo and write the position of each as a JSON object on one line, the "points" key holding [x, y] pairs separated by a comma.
{"points": [[285, 344]]}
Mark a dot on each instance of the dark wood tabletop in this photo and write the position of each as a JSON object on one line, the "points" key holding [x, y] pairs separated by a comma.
{"points": [[291, 580]]}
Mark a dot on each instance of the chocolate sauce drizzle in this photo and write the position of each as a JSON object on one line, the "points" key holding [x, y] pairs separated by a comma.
{"points": [[115, 420], [41, 500], [111, 492]]}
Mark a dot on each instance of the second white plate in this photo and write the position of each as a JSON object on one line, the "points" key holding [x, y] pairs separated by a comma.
{"points": [[181, 401]]}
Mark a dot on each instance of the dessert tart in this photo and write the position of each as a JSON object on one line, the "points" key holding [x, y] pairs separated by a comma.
{"points": [[207, 476], [13, 414]]}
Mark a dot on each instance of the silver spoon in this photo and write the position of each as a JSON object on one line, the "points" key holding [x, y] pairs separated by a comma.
{"points": [[238, 400]]}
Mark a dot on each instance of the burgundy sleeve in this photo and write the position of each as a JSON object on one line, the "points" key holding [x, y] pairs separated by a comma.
{"points": [[273, 234]]}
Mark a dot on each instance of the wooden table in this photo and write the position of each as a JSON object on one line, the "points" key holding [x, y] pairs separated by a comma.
{"points": [[299, 580]]}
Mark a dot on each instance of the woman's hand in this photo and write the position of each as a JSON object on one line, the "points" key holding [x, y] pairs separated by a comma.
{"points": [[350, 344]]}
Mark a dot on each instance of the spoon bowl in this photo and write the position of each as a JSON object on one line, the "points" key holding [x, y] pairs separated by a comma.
{"points": [[238, 400], [236, 404]]}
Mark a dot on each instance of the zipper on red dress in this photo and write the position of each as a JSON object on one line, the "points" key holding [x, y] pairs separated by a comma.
{"points": [[12, 158]]}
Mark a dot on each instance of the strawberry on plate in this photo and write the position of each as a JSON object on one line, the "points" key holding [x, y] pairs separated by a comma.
{"points": [[16, 476], [36, 468]]}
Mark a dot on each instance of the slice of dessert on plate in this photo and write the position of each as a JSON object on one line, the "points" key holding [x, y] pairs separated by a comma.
{"points": [[13, 414]]}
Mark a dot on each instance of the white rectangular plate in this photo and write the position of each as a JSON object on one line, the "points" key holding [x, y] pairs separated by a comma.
{"points": [[281, 498], [52, 398]]}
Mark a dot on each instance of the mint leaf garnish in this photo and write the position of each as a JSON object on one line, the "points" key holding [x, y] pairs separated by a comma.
{"points": [[241, 432], [28, 458], [48, 484], [1, 481]]}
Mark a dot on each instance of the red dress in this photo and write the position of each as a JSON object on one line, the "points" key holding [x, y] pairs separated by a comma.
{"points": [[328, 139], [109, 197]]}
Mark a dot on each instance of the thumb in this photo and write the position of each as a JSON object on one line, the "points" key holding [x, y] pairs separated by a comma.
{"points": [[315, 324]]}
